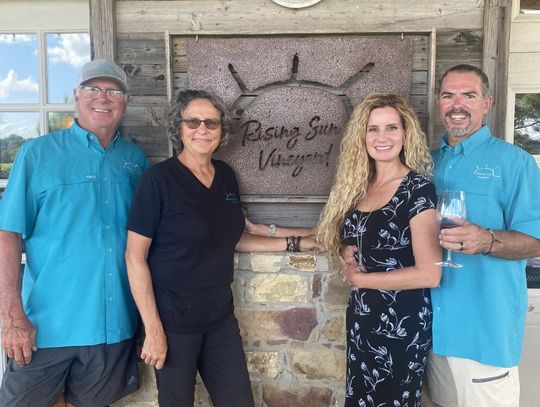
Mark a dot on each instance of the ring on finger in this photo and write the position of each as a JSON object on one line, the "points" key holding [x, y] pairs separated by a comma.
{"points": [[461, 246]]}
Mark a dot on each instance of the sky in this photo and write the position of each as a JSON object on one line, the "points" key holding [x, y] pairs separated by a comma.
{"points": [[19, 75]]}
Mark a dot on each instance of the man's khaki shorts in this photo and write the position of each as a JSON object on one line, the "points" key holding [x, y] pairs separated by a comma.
{"points": [[456, 382]]}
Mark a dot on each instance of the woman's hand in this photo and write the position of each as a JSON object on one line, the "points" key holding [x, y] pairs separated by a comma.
{"points": [[309, 243], [250, 226], [154, 350], [349, 267], [260, 229]]}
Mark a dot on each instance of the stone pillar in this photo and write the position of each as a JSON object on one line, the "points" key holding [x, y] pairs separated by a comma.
{"points": [[291, 311]]}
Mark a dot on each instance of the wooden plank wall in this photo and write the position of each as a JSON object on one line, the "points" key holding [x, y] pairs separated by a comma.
{"points": [[141, 27], [236, 17]]}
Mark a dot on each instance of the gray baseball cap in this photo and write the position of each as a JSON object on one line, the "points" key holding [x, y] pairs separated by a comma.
{"points": [[101, 68]]}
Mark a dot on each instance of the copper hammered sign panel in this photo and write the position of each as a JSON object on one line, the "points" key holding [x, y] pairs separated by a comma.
{"points": [[292, 98]]}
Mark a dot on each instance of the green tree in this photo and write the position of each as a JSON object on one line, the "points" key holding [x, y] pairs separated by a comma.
{"points": [[527, 122], [59, 121], [9, 147]]}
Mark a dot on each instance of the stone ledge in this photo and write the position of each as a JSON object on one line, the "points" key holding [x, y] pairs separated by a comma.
{"points": [[302, 262]]}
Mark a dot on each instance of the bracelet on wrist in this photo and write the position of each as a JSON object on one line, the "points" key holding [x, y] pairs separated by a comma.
{"points": [[290, 244], [272, 228], [293, 243], [297, 246], [493, 240]]}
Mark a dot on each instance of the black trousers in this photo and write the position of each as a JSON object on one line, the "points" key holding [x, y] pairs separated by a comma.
{"points": [[219, 358]]}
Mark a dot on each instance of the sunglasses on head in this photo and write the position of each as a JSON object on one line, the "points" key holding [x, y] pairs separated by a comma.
{"points": [[211, 124]]}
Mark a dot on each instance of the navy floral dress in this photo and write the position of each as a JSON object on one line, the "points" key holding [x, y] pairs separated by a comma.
{"points": [[388, 331]]}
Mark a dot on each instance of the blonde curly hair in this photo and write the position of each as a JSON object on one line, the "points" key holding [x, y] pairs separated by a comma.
{"points": [[356, 169]]}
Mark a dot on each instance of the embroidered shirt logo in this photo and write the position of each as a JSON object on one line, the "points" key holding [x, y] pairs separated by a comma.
{"points": [[485, 172], [132, 381], [231, 197], [131, 168]]}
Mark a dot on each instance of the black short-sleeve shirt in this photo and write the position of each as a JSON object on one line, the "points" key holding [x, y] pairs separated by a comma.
{"points": [[194, 231]]}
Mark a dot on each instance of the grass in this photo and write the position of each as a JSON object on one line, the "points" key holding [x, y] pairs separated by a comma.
{"points": [[5, 168]]}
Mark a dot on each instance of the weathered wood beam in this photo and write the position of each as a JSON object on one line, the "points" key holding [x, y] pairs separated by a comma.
{"points": [[431, 89], [240, 17], [102, 29], [497, 16]]}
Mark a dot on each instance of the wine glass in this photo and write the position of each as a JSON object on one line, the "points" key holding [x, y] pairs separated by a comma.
{"points": [[451, 212]]}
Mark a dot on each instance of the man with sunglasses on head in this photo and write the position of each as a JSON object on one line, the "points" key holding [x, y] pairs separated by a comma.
{"points": [[70, 328]]}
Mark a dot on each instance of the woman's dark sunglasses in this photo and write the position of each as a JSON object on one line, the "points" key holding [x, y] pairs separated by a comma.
{"points": [[211, 124]]}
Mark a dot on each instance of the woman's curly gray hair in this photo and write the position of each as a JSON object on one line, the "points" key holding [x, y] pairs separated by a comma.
{"points": [[183, 99]]}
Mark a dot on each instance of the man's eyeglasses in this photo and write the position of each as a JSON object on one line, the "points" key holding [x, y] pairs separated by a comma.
{"points": [[211, 124], [93, 92]]}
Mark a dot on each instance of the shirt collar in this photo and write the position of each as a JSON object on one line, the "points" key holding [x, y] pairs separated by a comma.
{"points": [[86, 138], [471, 143]]}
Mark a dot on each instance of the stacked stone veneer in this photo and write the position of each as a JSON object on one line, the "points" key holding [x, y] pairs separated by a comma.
{"points": [[291, 313]]}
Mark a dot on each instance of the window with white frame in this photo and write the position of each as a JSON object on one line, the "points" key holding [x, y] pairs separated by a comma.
{"points": [[529, 6], [40, 52], [37, 76], [523, 103], [527, 122]]}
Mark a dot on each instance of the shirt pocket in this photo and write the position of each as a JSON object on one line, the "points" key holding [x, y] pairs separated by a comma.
{"points": [[69, 205], [122, 186], [125, 178], [482, 198]]}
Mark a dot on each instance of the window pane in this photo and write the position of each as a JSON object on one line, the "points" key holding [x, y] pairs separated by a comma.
{"points": [[529, 6], [66, 54], [15, 129], [19, 68], [527, 122], [59, 120], [533, 272]]}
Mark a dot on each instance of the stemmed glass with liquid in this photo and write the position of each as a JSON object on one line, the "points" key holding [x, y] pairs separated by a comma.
{"points": [[451, 212]]}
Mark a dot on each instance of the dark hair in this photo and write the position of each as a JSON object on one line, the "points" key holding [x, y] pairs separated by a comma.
{"points": [[472, 69], [183, 99]]}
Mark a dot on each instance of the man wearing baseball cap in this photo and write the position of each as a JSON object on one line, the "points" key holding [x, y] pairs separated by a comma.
{"points": [[68, 325]]}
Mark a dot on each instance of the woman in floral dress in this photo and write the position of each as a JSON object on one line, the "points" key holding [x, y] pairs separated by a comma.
{"points": [[383, 205]]}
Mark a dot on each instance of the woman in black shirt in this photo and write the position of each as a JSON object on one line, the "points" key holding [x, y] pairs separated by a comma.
{"points": [[184, 227]]}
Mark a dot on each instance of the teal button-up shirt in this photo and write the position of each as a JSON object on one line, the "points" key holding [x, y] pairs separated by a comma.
{"points": [[69, 198], [479, 310]]}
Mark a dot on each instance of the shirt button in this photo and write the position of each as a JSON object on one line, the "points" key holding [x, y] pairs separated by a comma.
{"points": [[110, 274], [107, 226], [110, 298], [105, 178], [106, 202], [438, 308], [110, 250]]}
